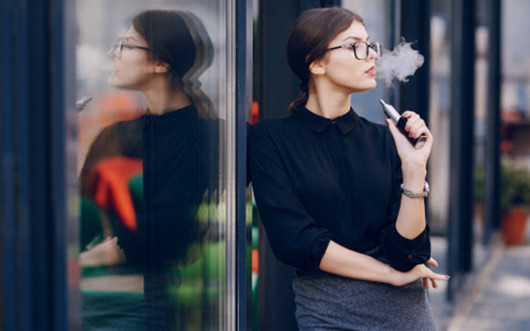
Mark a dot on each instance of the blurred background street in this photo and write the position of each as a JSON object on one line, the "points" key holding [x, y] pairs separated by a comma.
{"points": [[495, 297]]}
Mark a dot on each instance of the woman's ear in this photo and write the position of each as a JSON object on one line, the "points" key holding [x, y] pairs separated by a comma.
{"points": [[317, 68], [161, 67]]}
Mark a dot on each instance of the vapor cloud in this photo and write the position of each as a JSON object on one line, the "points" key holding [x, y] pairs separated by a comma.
{"points": [[400, 63]]}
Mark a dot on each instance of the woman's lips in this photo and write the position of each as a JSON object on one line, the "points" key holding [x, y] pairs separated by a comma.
{"points": [[371, 71]]}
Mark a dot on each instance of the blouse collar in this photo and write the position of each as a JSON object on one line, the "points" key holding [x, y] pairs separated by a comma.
{"points": [[317, 123]]}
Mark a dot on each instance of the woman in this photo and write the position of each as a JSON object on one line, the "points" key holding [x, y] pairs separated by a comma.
{"points": [[149, 175], [327, 185]]}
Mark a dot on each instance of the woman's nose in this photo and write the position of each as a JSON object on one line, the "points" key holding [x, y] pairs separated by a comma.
{"points": [[372, 54], [113, 53]]}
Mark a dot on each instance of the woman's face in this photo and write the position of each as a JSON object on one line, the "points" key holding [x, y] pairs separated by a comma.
{"points": [[342, 69], [132, 65]]}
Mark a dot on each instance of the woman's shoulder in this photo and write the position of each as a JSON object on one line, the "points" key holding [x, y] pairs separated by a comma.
{"points": [[272, 126], [272, 132]]}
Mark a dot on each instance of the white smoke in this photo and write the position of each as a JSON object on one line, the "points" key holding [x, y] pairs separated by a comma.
{"points": [[399, 64]]}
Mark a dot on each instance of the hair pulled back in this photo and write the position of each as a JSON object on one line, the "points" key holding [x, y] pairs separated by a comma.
{"points": [[309, 39], [179, 39]]}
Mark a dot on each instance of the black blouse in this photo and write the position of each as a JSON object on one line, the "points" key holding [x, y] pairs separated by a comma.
{"points": [[179, 165], [317, 180]]}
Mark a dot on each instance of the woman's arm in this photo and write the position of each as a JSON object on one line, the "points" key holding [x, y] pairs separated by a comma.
{"points": [[344, 262], [411, 222]]}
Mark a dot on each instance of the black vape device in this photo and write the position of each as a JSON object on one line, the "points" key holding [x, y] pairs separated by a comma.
{"points": [[400, 121]]}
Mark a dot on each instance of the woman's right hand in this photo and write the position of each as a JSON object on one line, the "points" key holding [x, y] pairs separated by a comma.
{"points": [[421, 271], [415, 155]]}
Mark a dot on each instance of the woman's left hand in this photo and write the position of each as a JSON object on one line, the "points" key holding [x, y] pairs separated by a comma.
{"points": [[418, 155]]}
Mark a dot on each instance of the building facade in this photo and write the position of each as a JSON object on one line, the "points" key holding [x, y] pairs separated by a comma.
{"points": [[84, 156]]}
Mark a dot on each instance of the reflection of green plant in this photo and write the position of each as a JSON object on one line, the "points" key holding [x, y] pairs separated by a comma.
{"points": [[515, 187]]}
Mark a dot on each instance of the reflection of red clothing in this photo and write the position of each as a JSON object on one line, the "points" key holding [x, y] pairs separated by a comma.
{"points": [[108, 187]]}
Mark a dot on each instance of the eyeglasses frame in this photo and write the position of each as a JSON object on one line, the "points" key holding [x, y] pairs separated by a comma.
{"points": [[353, 47], [120, 45]]}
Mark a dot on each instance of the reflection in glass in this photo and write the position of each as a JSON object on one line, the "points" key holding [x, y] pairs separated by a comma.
{"points": [[148, 181], [439, 114]]}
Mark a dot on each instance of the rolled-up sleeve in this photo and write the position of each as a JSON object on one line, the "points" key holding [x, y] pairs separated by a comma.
{"points": [[294, 237], [402, 253]]}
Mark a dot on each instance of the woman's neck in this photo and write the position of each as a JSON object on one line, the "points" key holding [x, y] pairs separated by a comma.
{"points": [[162, 99], [328, 102]]}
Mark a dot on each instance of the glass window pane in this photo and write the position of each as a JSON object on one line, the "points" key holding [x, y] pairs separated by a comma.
{"points": [[155, 113], [440, 70]]}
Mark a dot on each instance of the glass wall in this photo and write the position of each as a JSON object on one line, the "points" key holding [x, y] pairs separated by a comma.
{"points": [[439, 113], [515, 106], [481, 87], [155, 90]]}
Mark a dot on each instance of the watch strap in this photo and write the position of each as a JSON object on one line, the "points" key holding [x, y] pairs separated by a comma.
{"points": [[416, 195]]}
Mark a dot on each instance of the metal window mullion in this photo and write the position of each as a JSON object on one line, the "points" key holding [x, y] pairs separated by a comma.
{"points": [[23, 172], [461, 143], [8, 277], [492, 180], [58, 167], [243, 105], [230, 188]]}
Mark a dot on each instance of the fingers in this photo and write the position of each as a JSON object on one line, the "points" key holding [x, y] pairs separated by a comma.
{"points": [[415, 125], [426, 283], [394, 130], [428, 273], [391, 125], [435, 276], [434, 283], [433, 262]]}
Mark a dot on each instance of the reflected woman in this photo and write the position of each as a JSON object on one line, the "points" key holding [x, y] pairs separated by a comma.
{"points": [[148, 176]]}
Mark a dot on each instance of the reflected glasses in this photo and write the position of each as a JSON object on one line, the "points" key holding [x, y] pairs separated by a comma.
{"points": [[120, 45], [361, 49]]}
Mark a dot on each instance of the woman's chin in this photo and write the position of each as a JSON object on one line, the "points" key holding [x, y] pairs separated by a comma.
{"points": [[116, 83], [364, 88], [112, 81]]}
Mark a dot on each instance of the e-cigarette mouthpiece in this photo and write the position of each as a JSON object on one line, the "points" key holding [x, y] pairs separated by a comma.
{"points": [[390, 111], [80, 104]]}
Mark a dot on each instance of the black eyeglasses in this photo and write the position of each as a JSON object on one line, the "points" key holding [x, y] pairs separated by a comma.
{"points": [[361, 49], [120, 45]]}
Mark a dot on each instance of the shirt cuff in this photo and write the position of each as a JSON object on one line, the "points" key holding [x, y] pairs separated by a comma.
{"points": [[315, 254], [404, 254]]}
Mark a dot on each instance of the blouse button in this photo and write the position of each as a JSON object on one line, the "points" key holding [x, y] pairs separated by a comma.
{"points": [[410, 256]]}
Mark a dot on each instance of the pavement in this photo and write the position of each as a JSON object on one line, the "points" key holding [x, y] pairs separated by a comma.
{"points": [[494, 296]]}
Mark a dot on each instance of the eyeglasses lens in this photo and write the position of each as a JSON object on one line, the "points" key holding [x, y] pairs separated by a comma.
{"points": [[376, 46], [362, 49]]}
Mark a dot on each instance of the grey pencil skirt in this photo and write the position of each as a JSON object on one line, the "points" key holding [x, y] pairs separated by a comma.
{"points": [[328, 302]]}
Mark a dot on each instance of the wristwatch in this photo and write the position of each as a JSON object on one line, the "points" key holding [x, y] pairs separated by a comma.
{"points": [[415, 195]]}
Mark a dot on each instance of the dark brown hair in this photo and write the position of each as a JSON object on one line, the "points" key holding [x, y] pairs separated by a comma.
{"points": [[309, 40], [179, 39]]}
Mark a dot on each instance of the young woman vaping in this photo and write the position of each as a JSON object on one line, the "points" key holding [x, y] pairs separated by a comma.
{"points": [[341, 198]]}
